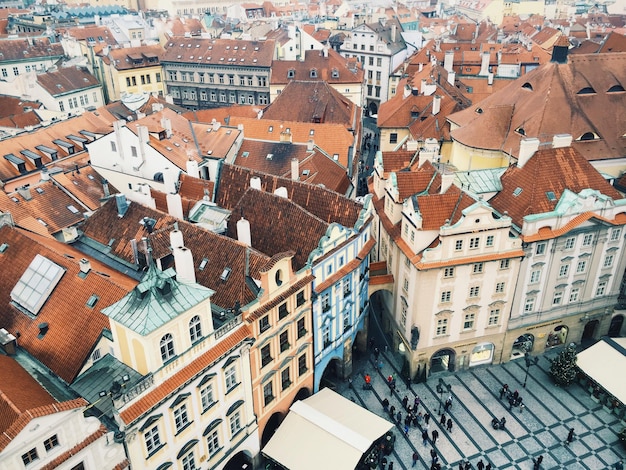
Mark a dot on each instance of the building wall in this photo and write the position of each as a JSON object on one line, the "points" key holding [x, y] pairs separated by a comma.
{"points": [[466, 158], [140, 80]]}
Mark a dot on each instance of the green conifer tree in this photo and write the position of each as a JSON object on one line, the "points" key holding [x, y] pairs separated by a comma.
{"points": [[563, 367]]}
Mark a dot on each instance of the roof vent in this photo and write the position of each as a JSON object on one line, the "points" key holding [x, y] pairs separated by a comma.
{"points": [[43, 329]]}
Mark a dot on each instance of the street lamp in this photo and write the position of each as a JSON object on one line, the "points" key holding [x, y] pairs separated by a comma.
{"points": [[441, 388], [530, 361]]}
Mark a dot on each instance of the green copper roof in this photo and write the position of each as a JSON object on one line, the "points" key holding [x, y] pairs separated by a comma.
{"points": [[156, 300]]}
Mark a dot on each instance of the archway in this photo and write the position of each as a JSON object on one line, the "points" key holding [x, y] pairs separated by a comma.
{"points": [[589, 331], [522, 345], [240, 461], [302, 394], [557, 337], [442, 361], [373, 107], [270, 427], [482, 354], [331, 375], [616, 326]]}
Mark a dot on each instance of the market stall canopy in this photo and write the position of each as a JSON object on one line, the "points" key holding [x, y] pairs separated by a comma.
{"points": [[325, 431], [600, 363]]}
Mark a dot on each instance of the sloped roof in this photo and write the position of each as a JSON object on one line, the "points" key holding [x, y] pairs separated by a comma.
{"points": [[292, 228], [11, 106], [416, 181], [142, 56], [325, 204], [73, 326], [67, 80], [86, 185], [554, 99], [317, 102], [29, 49], [223, 52], [334, 69], [436, 209], [105, 226], [548, 170]]}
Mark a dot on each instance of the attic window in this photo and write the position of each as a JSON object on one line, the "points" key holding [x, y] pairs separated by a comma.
{"points": [[615, 89], [270, 129], [586, 91], [36, 284], [335, 73], [306, 172], [269, 156], [520, 130], [313, 73], [42, 222], [225, 274], [91, 301], [589, 136], [4, 247], [479, 110], [203, 264], [73, 209], [291, 73], [312, 132], [551, 196], [528, 86], [245, 154], [517, 191], [39, 190]]}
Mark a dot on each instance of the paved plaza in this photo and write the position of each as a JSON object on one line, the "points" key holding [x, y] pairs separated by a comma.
{"points": [[539, 428]]}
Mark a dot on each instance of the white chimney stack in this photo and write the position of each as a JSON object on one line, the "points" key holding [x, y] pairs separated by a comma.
{"points": [[420, 67], [484, 65], [170, 180], [84, 265], [243, 232], [394, 29], [282, 192], [183, 258], [167, 125], [192, 168], [490, 78], [436, 104], [448, 61], [561, 140], [527, 148], [406, 92], [175, 205], [255, 183], [295, 169], [451, 77], [446, 181]]}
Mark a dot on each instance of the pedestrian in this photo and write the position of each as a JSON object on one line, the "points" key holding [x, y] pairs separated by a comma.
{"points": [[433, 454], [415, 421], [480, 465], [435, 436], [570, 436], [442, 421], [408, 419], [419, 417], [619, 465], [416, 457], [461, 465], [449, 425], [511, 402], [427, 418], [406, 430], [392, 411], [416, 402], [390, 467], [405, 402], [380, 365], [488, 467], [537, 462], [399, 417], [385, 404], [376, 353], [468, 466], [424, 437]]}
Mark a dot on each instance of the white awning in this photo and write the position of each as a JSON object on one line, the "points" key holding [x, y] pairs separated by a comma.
{"points": [[601, 363], [325, 431]]}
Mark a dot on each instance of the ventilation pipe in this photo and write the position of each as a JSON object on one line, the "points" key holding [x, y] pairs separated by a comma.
{"points": [[183, 258]]}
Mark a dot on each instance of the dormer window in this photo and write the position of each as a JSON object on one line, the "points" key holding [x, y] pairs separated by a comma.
{"points": [[167, 347], [313, 73], [615, 89], [291, 73], [527, 86], [588, 136], [335, 73], [586, 91]]}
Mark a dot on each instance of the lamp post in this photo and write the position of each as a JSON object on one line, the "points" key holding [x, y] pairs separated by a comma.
{"points": [[530, 361], [441, 388]]}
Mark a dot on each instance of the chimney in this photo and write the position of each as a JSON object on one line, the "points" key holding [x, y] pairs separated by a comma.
{"points": [[560, 50], [105, 188], [24, 191], [406, 92], [490, 78], [183, 258], [446, 181], [243, 232], [8, 342], [285, 137], [167, 125], [451, 77], [448, 61], [325, 51], [43, 329], [175, 205], [216, 125], [122, 204], [192, 168], [423, 87], [436, 104], [484, 64], [170, 180], [282, 192], [394, 29], [420, 67], [527, 148], [255, 183], [310, 145], [295, 169], [85, 265], [144, 138], [561, 140]]}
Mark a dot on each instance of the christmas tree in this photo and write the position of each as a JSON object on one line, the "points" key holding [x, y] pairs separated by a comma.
{"points": [[563, 367]]}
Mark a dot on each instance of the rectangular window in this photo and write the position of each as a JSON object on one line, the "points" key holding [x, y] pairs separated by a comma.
{"points": [[51, 443], [489, 240], [235, 423], [404, 312], [189, 461], [30, 456], [61, 106], [558, 297], [458, 245], [569, 243], [284, 341], [301, 328], [535, 276], [587, 239], [300, 298], [285, 378], [446, 296], [573, 295], [474, 291], [529, 305], [113, 147], [347, 290], [405, 285], [152, 439], [474, 242], [500, 288], [230, 377], [127, 81], [4, 73], [181, 419], [213, 442], [143, 79], [563, 270], [262, 81], [540, 249], [379, 62], [393, 138], [442, 327], [16, 71], [134, 80], [468, 321], [494, 316], [282, 311], [601, 288], [302, 365], [266, 355], [207, 397], [264, 323], [615, 234], [477, 268], [581, 267], [325, 302], [268, 393], [326, 335], [448, 272], [158, 77], [608, 261], [370, 61], [505, 263], [250, 81], [133, 151]]}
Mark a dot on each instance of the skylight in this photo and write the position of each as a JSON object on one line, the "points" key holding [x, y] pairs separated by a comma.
{"points": [[36, 284], [551, 196], [517, 191]]}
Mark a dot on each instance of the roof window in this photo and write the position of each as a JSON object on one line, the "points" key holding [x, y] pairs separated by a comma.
{"points": [[517, 191], [589, 136], [586, 91], [527, 86], [36, 284], [225, 274], [615, 89]]}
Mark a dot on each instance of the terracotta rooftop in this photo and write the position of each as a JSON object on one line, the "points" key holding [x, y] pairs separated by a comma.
{"points": [[549, 170], [318, 102], [93, 34], [136, 57], [11, 106], [73, 326], [86, 185], [436, 209], [29, 49], [423, 179], [222, 52], [553, 99], [332, 68], [325, 204], [66, 80]]}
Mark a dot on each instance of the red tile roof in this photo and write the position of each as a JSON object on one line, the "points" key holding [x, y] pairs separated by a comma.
{"points": [[29, 49], [136, 57], [222, 52], [86, 185], [332, 68], [67, 80], [436, 209]]}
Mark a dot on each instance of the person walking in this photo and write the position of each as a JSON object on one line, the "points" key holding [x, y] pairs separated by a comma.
{"points": [[390, 467], [416, 457], [442, 421], [537, 462], [416, 402], [468, 466], [461, 465], [435, 435], [488, 467], [480, 465], [449, 425], [570, 436], [425, 436], [405, 401], [427, 418]]}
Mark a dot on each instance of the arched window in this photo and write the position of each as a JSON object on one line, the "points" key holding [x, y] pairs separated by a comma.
{"points": [[195, 329], [586, 91], [588, 136], [167, 347], [527, 86]]}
